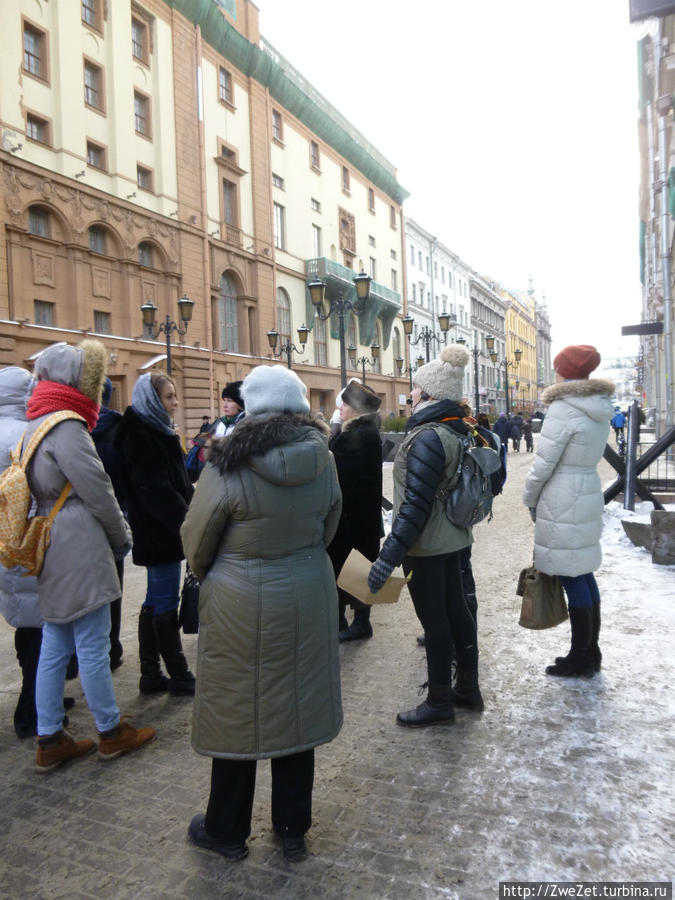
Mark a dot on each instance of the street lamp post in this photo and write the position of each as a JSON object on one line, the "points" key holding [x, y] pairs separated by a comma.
{"points": [[364, 361], [149, 311], [507, 363], [408, 370], [445, 320], [288, 348], [341, 306], [475, 353]]}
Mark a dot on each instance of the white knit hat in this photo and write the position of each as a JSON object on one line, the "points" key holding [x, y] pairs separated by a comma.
{"points": [[443, 378], [271, 389]]}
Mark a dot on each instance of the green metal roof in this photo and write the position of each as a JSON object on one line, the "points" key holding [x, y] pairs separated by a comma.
{"points": [[287, 88]]}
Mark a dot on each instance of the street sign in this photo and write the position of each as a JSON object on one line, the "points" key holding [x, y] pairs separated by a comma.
{"points": [[643, 328]]}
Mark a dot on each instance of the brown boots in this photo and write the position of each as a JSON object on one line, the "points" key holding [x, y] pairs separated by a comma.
{"points": [[58, 748]]}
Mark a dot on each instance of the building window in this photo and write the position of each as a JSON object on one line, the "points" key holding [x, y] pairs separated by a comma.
{"points": [[392, 253], [37, 129], [230, 207], [144, 178], [371, 240], [228, 322], [394, 279], [283, 316], [372, 267], [414, 293], [371, 200], [93, 85], [435, 269], [419, 260], [145, 254], [278, 181], [101, 322], [347, 231], [139, 40], [316, 241], [392, 216], [345, 179], [43, 312], [142, 114], [279, 227], [38, 221], [96, 156], [315, 159], [97, 239], [320, 355], [277, 126], [91, 13], [396, 343], [316, 206], [442, 274], [225, 94]]}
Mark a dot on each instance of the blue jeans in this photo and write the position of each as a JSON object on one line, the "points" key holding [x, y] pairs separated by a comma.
{"points": [[582, 590], [163, 589], [90, 637]]}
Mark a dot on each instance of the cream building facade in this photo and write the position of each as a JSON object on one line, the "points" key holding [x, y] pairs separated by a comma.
{"points": [[150, 151]]}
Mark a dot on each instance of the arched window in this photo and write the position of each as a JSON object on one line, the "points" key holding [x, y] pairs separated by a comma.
{"points": [[283, 316], [38, 221], [320, 357], [227, 325], [97, 239], [351, 339], [145, 254]]}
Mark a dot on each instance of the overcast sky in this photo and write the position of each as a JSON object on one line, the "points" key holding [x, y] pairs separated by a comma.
{"points": [[513, 126]]}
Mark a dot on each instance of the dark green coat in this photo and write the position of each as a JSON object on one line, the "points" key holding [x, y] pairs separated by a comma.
{"points": [[266, 506]]}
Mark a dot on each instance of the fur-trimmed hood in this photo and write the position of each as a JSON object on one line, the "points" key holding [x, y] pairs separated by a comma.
{"points": [[365, 419], [81, 367], [282, 448], [589, 394]]}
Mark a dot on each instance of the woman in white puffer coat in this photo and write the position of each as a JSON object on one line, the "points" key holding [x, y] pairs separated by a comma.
{"points": [[564, 495]]}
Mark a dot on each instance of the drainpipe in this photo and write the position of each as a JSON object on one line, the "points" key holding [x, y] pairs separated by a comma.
{"points": [[206, 273], [665, 249], [651, 270]]}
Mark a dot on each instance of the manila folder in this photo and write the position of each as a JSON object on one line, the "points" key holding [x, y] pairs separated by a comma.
{"points": [[354, 579]]}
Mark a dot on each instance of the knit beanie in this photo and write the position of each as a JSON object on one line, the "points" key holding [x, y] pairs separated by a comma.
{"points": [[576, 361], [232, 391], [361, 398], [443, 378], [272, 389]]}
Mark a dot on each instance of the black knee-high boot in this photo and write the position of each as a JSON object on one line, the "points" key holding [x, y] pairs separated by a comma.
{"points": [[579, 661], [360, 629], [27, 642], [182, 681], [596, 655], [153, 681]]}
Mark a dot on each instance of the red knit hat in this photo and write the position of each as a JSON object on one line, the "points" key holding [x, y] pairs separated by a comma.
{"points": [[576, 361]]}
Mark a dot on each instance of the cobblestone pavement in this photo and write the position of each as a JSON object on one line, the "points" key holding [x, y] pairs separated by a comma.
{"points": [[555, 780]]}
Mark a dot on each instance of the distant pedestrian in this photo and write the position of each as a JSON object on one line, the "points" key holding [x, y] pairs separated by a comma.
{"points": [[233, 410], [78, 580], [158, 493], [268, 686], [357, 449], [564, 494], [618, 423], [502, 429], [516, 431], [527, 434], [205, 427]]}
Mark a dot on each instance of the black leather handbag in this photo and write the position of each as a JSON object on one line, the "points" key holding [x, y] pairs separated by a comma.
{"points": [[188, 616]]}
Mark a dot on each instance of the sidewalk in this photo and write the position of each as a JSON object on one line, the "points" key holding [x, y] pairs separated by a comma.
{"points": [[556, 780]]}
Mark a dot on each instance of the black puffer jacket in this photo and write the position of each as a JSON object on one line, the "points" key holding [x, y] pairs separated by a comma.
{"points": [[157, 489], [426, 464]]}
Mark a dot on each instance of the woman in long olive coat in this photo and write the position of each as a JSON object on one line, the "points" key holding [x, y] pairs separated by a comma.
{"points": [[266, 506]]}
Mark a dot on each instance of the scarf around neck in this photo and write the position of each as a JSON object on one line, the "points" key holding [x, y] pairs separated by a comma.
{"points": [[50, 396], [146, 404]]}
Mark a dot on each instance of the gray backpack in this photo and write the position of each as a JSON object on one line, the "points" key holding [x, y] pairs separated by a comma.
{"points": [[468, 497]]}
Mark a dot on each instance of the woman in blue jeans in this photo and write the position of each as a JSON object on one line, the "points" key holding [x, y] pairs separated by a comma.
{"points": [[564, 495], [158, 493]]}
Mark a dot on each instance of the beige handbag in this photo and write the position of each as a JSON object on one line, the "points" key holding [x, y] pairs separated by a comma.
{"points": [[543, 603]]}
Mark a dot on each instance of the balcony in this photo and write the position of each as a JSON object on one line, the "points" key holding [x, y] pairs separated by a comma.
{"points": [[383, 303]]}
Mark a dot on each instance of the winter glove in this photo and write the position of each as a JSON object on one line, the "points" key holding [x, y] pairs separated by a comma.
{"points": [[379, 572], [533, 513]]}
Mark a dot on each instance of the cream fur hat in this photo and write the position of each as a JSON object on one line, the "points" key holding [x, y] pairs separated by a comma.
{"points": [[443, 378], [272, 389]]}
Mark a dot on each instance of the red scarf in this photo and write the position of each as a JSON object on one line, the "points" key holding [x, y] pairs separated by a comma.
{"points": [[49, 397]]}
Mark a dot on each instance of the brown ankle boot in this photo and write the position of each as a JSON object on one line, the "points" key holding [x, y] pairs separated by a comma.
{"points": [[123, 739], [55, 749]]}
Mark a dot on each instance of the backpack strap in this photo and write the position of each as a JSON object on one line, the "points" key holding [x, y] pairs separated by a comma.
{"points": [[40, 432], [59, 503]]}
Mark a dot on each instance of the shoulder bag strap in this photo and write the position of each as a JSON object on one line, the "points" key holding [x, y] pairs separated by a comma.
{"points": [[43, 429]]}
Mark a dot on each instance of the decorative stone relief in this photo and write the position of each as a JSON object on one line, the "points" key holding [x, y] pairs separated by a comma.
{"points": [[43, 269], [149, 291], [100, 279]]}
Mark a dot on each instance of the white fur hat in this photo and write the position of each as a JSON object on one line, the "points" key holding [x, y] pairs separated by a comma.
{"points": [[443, 378], [271, 389]]}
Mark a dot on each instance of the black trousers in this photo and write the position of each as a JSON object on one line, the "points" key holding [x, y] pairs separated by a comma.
{"points": [[438, 598], [228, 814], [116, 616]]}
